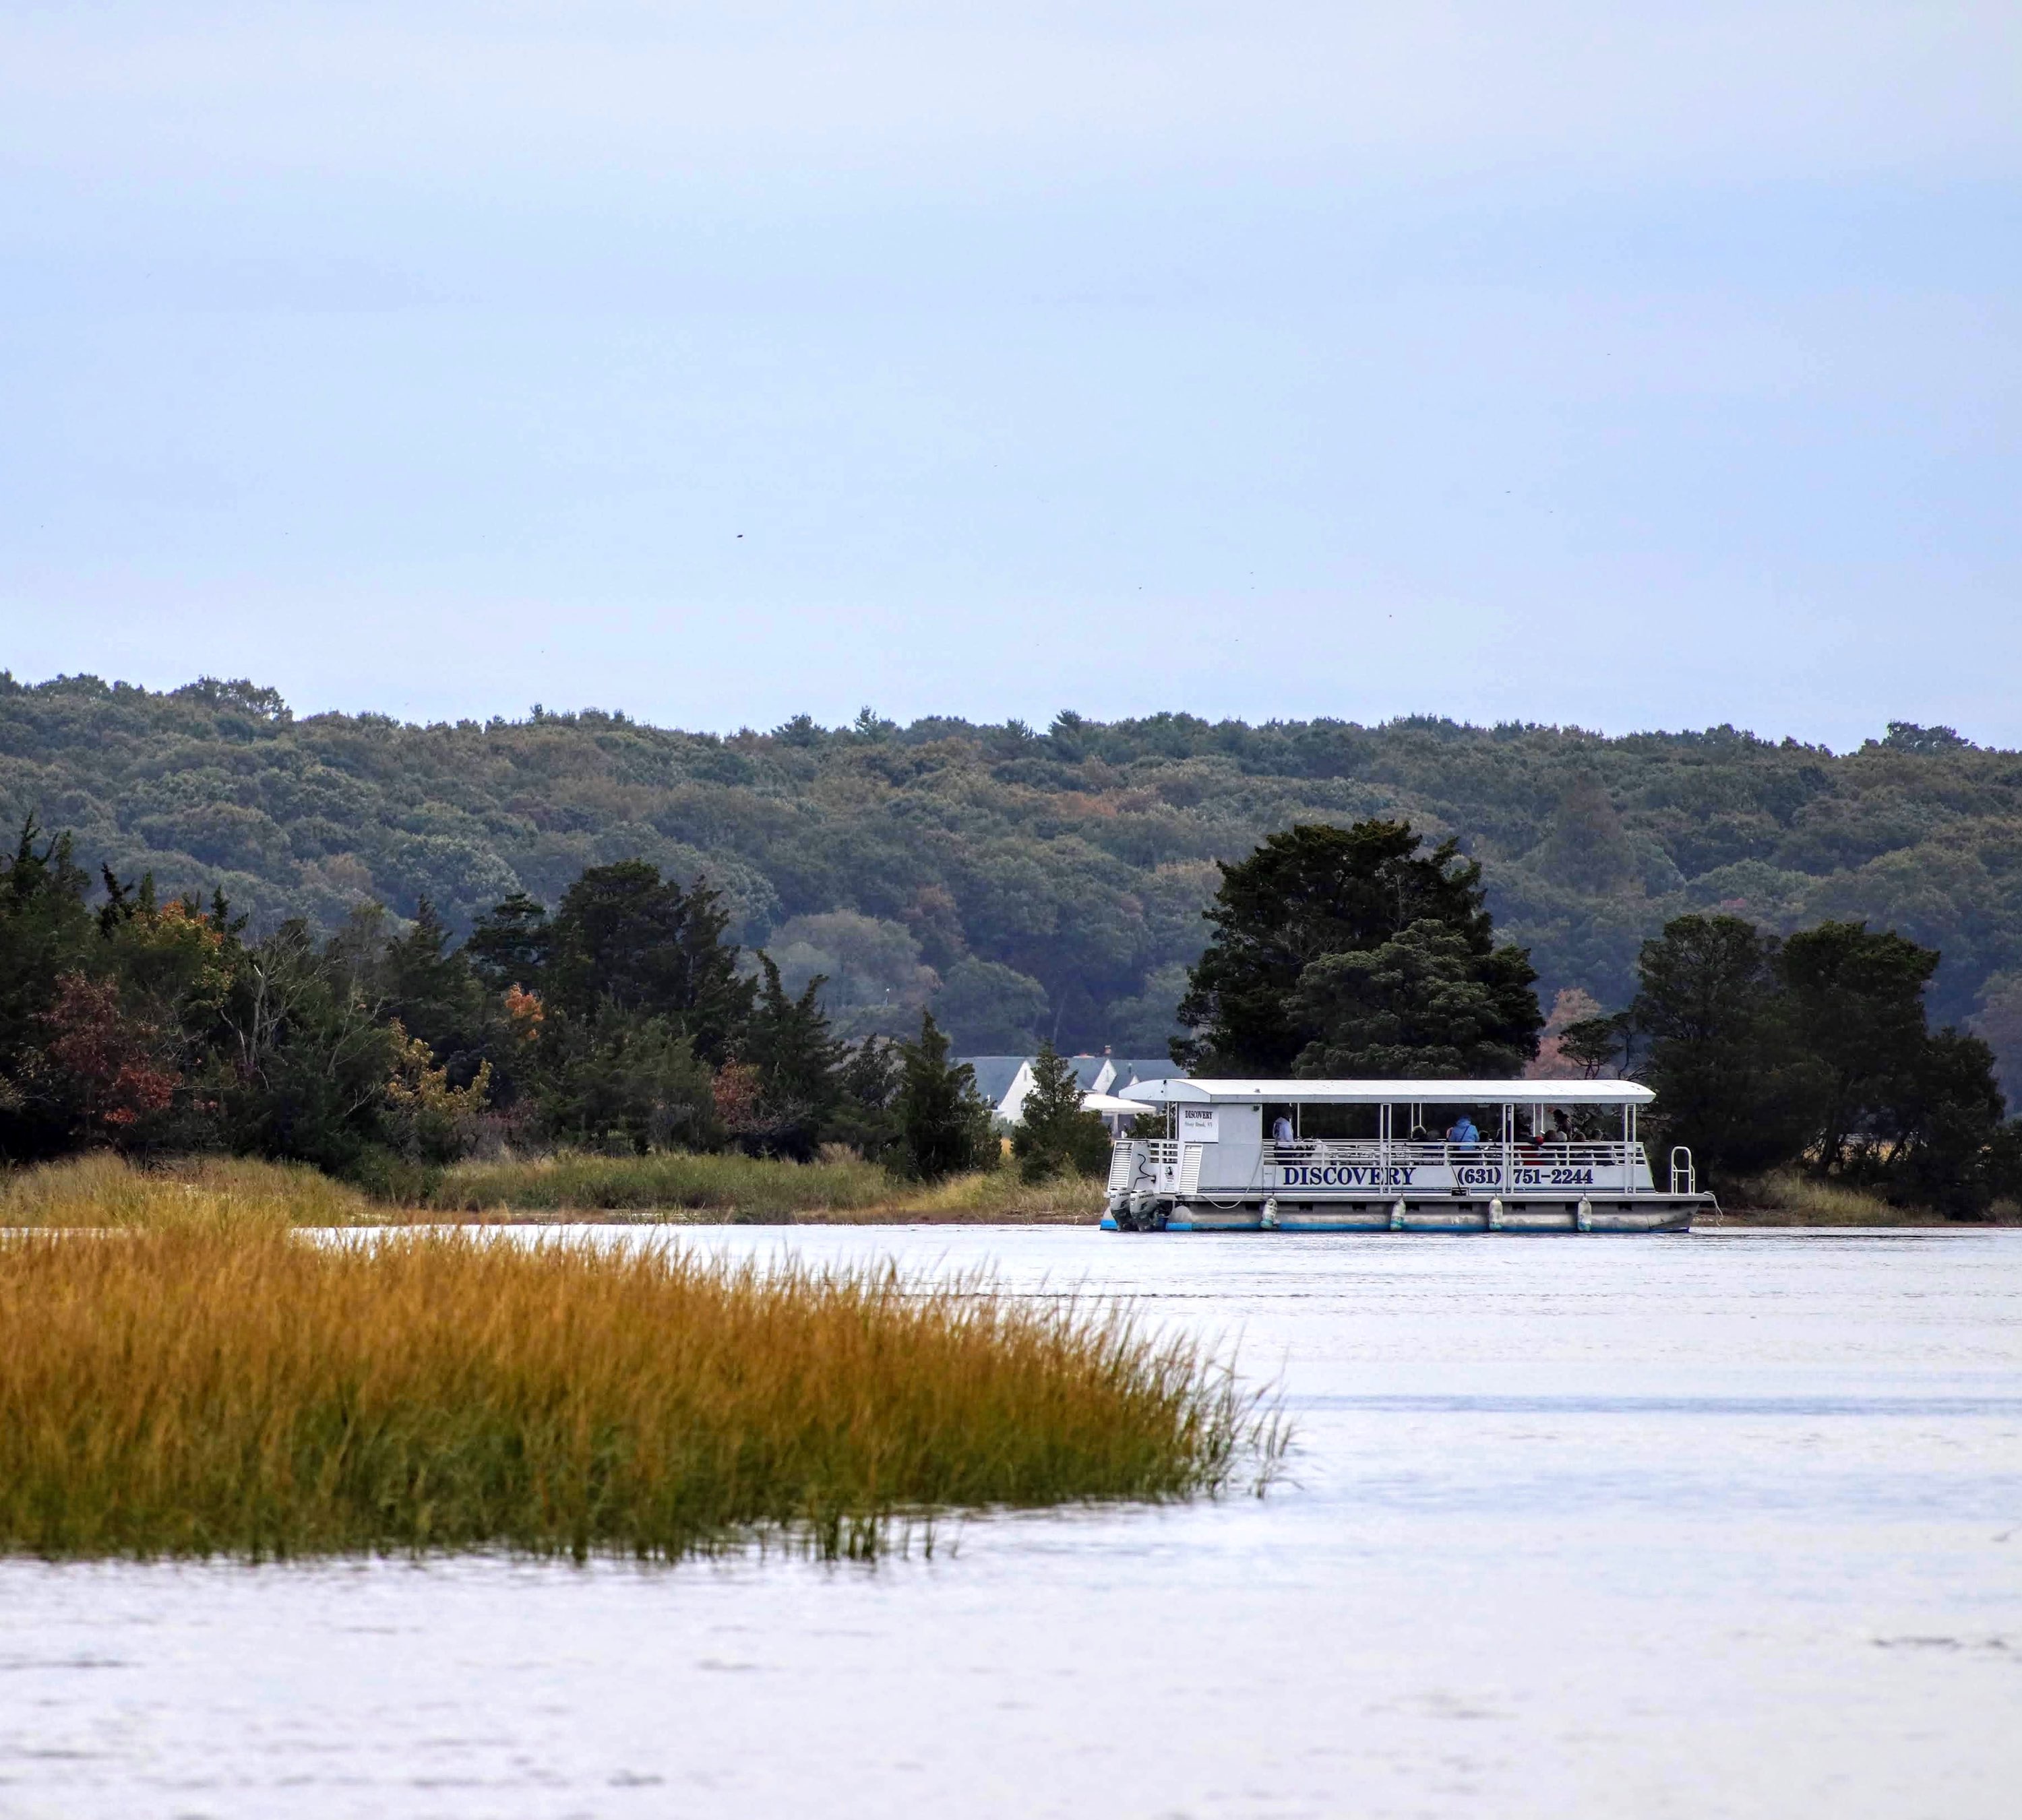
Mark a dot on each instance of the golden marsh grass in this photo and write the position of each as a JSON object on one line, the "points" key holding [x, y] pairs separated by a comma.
{"points": [[205, 1380]]}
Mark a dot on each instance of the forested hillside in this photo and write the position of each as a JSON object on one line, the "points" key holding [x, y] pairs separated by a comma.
{"points": [[1028, 883]]}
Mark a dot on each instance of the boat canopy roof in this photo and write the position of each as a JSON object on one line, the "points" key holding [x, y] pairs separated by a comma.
{"points": [[1390, 1092]]}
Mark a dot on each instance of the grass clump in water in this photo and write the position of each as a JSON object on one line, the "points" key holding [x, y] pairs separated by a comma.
{"points": [[214, 1383]]}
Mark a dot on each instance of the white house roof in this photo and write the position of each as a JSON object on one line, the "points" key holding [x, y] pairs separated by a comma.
{"points": [[995, 1075], [1390, 1092]]}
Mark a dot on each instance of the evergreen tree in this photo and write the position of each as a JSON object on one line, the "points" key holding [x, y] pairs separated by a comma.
{"points": [[624, 1077], [1318, 892], [943, 1122], [511, 943], [1054, 1136], [434, 993], [866, 1115], [786, 1042], [624, 935], [1422, 1006]]}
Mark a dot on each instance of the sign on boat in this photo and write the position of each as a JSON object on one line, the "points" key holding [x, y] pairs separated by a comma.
{"points": [[1423, 1156]]}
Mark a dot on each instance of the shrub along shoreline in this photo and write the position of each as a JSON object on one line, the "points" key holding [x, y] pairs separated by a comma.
{"points": [[214, 1384]]}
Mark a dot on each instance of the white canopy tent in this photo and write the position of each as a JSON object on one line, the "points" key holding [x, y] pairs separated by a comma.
{"points": [[1111, 1106], [1506, 1096]]}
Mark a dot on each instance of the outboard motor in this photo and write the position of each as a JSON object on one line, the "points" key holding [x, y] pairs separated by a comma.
{"points": [[1140, 1211]]}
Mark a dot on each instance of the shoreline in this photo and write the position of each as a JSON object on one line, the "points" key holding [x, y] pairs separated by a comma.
{"points": [[1758, 1219]]}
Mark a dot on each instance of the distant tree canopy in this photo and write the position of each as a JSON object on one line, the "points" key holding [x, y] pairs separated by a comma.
{"points": [[1349, 952], [1023, 883]]}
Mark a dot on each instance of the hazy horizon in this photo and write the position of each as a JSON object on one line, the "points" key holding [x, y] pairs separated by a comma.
{"points": [[1656, 368]]}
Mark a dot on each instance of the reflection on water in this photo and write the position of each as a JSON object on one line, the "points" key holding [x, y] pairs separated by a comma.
{"points": [[1719, 1524]]}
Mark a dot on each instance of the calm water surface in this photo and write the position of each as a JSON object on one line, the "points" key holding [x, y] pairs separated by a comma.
{"points": [[1712, 1524]]}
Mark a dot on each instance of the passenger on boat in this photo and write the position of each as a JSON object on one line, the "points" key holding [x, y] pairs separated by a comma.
{"points": [[1462, 1133], [1281, 1131]]}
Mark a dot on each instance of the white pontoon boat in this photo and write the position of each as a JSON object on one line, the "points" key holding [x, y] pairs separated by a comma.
{"points": [[1546, 1156]]}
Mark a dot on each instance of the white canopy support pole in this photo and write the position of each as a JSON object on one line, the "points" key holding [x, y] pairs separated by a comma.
{"points": [[1628, 1150]]}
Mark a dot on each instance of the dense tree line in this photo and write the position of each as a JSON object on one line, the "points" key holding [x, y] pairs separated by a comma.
{"points": [[628, 1016], [1026, 883], [1814, 1049], [625, 1018], [1354, 952]]}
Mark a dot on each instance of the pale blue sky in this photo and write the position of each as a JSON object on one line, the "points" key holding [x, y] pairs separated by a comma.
{"points": [[1640, 367]]}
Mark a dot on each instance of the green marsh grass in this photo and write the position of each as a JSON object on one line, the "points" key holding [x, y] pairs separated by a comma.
{"points": [[1791, 1198], [205, 1380], [754, 1187], [679, 1185], [101, 1189]]}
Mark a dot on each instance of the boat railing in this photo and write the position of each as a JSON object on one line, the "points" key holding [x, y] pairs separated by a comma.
{"points": [[1327, 1153], [1135, 1163]]}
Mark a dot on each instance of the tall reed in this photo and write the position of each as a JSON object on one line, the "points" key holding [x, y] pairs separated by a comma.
{"points": [[215, 1383]]}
